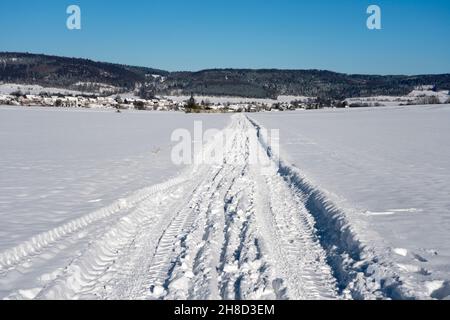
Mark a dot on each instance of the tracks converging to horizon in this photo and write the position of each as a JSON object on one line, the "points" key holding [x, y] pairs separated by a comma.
{"points": [[224, 231]]}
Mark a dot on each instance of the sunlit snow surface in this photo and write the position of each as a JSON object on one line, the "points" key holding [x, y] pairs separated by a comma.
{"points": [[57, 165], [389, 168]]}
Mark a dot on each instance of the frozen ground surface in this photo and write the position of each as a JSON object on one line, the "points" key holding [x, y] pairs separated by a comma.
{"points": [[57, 165], [388, 171], [226, 231], [343, 215]]}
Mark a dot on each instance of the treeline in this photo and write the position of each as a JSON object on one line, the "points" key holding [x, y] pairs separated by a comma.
{"points": [[85, 75], [310, 83], [69, 73]]}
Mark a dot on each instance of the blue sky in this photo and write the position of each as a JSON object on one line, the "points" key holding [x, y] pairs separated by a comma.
{"points": [[200, 34]]}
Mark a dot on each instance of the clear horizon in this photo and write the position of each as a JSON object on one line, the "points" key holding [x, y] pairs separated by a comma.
{"points": [[289, 35]]}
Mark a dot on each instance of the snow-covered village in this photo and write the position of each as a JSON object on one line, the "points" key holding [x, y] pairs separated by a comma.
{"points": [[62, 101], [21, 96]]}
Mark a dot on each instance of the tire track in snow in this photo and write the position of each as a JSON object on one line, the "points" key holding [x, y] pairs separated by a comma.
{"points": [[300, 261], [360, 271], [243, 272], [172, 249], [85, 275], [289, 232], [228, 231], [39, 243], [195, 275], [144, 271]]}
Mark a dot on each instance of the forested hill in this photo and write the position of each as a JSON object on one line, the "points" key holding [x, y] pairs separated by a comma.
{"points": [[88, 75]]}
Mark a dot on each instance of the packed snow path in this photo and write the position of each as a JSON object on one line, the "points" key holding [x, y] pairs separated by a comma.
{"points": [[229, 231]]}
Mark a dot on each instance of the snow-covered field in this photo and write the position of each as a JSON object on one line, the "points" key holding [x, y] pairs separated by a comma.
{"points": [[57, 165], [91, 206], [417, 96], [388, 170]]}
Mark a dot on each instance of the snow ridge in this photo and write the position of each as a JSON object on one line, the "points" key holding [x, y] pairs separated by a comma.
{"points": [[361, 273], [229, 231], [41, 241]]}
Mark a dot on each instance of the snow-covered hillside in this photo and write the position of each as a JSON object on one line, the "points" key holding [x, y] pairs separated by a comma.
{"points": [[8, 88], [421, 95]]}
